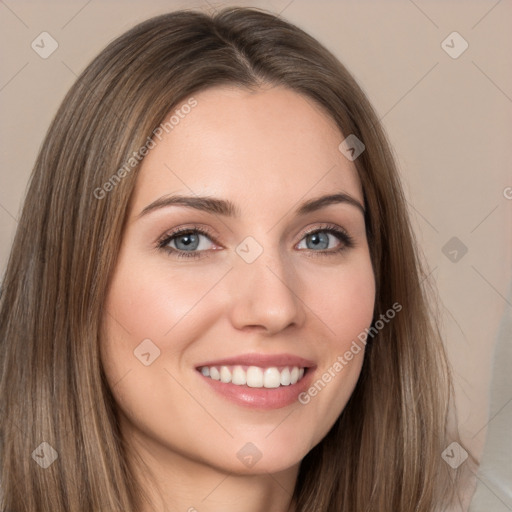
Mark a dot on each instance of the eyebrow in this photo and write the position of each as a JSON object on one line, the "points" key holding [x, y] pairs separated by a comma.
{"points": [[229, 209]]}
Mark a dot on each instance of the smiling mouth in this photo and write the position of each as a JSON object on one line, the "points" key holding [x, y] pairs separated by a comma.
{"points": [[255, 376]]}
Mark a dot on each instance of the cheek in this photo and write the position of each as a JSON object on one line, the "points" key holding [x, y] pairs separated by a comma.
{"points": [[344, 300], [149, 300]]}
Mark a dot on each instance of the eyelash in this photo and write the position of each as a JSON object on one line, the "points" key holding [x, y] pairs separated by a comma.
{"points": [[346, 240]]}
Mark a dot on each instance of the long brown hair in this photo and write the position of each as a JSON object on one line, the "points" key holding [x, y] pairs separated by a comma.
{"points": [[384, 451]]}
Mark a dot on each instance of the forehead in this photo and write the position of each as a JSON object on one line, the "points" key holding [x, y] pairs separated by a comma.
{"points": [[266, 145]]}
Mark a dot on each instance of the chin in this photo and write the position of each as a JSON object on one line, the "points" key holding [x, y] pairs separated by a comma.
{"points": [[263, 454]]}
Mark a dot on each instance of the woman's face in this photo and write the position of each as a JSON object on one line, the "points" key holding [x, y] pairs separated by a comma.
{"points": [[265, 285]]}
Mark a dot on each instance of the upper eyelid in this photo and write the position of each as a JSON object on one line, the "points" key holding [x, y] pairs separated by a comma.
{"points": [[184, 230], [171, 235]]}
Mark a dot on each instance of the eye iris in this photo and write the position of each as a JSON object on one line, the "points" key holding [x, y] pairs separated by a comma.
{"points": [[190, 241], [319, 240]]}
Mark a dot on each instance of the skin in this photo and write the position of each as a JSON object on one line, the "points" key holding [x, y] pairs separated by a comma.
{"points": [[266, 151]]}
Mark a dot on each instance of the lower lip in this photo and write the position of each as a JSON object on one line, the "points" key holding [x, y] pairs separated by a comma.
{"points": [[261, 398]]}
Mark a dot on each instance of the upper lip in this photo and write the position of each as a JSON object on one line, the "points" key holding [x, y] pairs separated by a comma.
{"points": [[262, 360]]}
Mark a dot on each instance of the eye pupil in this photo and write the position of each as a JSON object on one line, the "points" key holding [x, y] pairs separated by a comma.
{"points": [[320, 239], [189, 241]]}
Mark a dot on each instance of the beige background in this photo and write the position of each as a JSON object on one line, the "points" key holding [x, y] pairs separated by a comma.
{"points": [[448, 119]]}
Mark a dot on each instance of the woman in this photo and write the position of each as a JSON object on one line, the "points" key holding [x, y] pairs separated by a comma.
{"points": [[214, 299]]}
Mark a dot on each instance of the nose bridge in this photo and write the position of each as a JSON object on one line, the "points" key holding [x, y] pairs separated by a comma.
{"points": [[264, 288]]}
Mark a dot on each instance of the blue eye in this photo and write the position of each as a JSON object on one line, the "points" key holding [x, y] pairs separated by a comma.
{"points": [[320, 240], [187, 243]]}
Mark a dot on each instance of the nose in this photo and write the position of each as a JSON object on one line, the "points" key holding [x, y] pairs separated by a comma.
{"points": [[265, 295]]}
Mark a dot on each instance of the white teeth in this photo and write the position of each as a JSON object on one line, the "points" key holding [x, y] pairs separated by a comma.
{"points": [[285, 377], [254, 376], [239, 376], [271, 378], [225, 374]]}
